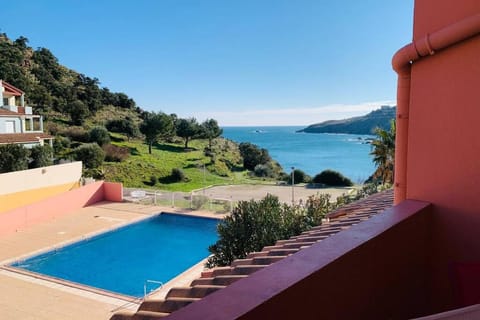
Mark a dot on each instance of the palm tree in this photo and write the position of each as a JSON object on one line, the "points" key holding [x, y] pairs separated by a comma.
{"points": [[383, 152]]}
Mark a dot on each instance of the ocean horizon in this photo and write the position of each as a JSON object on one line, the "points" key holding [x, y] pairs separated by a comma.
{"points": [[310, 152]]}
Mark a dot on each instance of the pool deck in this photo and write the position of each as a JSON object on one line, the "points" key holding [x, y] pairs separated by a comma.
{"points": [[27, 297]]}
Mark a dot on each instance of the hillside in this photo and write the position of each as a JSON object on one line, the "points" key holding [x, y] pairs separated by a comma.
{"points": [[357, 125], [76, 110]]}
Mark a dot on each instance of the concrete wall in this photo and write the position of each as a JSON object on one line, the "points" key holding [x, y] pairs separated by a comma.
{"points": [[28, 186], [58, 205], [443, 165]]}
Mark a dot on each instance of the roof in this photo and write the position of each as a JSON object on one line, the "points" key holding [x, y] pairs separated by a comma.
{"points": [[220, 277], [5, 112], [23, 137], [11, 89]]}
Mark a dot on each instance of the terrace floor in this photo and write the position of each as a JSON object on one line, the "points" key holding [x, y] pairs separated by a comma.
{"points": [[26, 297]]}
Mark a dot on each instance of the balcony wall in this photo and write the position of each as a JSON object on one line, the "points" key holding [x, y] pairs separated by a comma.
{"points": [[378, 269]]}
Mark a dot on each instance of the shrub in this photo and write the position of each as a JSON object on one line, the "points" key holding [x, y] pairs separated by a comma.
{"points": [[198, 201], [41, 156], [298, 176], [332, 178], [99, 135], [125, 126], [263, 170], [90, 154], [76, 134], [115, 153], [153, 180], [178, 175], [252, 155], [13, 157], [253, 225]]}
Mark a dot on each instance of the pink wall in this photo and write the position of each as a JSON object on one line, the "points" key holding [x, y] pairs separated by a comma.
{"points": [[113, 191], [377, 269], [59, 205], [443, 164]]}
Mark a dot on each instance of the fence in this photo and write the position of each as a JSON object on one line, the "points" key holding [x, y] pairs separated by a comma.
{"points": [[183, 200]]}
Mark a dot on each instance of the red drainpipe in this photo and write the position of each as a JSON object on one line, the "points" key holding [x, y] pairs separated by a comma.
{"points": [[402, 62]]}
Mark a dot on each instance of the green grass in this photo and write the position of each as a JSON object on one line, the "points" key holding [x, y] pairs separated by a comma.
{"points": [[136, 170]]}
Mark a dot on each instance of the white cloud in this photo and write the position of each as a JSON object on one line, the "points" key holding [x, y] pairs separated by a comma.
{"points": [[290, 116]]}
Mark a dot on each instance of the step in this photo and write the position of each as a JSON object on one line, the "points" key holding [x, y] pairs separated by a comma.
{"points": [[149, 315], [257, 254], [242, 262], [221, 271], [248, 269], [219, 281], [282, 252], [267, 260], [199, 291], [168, 305]]}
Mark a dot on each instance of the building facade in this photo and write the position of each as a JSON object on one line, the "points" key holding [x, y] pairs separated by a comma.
{"points": [[18, 124]]}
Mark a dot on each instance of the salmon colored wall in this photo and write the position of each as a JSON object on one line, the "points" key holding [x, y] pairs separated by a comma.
{"points": [[431, 15], [55, 206], [20, 199], [113, 191], [443, 165]]}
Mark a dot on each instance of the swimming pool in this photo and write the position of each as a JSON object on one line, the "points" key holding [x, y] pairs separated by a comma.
{"points": [[122, 260]]}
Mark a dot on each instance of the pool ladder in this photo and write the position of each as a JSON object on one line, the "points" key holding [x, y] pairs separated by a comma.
{"points": [[146, 284]]}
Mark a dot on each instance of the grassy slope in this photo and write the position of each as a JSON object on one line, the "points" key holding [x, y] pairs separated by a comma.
{"points": [[140, 166]]}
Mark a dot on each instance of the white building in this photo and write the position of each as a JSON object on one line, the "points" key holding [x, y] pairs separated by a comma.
{"points": [[18, 124]]}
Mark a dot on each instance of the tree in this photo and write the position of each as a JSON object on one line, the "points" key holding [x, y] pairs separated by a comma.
{"points": [[78, 112], [154, 126], [187, 129], [90, 154], [13, 157], [383, 151], [41, 156], [299, 176], [210, 130], [332, 178], [99, 135], [252, 155]]}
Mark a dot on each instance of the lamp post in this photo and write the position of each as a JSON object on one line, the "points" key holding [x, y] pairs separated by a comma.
{"points": [[293, 185]]}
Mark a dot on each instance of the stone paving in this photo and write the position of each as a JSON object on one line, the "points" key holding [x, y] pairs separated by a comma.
{"points": [[27, 297]]}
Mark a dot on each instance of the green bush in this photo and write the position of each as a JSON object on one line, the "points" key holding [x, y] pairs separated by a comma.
{"points": [[298, 176], [13, 157], [253, 225], [332, 178], [153, 180], [41, 156], [99, 135], [90, 154], [263, 170], [178, 175]]}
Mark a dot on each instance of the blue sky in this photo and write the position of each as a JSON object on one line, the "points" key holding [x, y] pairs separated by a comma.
{"points": [[242, 62]]}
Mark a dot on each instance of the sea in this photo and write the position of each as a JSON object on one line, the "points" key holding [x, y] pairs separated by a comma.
{"points": [[310, 152]]}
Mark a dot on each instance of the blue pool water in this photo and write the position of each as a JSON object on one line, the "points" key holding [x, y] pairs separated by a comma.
{"points": [[158, 248]]}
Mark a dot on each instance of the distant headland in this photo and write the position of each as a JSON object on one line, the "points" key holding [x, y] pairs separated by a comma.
{"points": [[357, 125]]}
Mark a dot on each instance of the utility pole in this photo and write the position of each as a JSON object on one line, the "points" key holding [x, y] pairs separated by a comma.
{"points": [[293, 185]]}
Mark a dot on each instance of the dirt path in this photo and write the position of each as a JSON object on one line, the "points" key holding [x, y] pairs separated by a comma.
{"points": [[248, 192]]}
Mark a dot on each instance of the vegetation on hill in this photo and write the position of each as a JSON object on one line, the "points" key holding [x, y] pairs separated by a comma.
{"points": [[366, 124], [116, 139]]}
